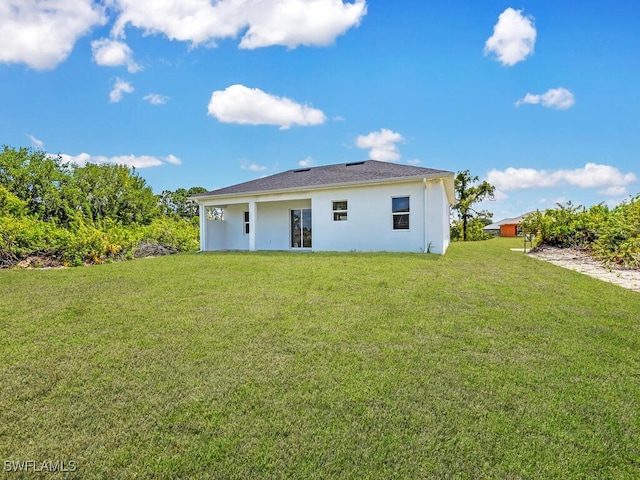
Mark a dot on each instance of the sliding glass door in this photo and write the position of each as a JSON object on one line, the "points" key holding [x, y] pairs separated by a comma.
{"points": [[301, 228]]}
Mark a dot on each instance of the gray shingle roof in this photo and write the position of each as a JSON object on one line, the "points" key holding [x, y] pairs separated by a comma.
{"points": [[328, 175]]}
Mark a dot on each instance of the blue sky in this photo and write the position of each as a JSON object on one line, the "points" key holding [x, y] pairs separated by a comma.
{"points": [[540, 98]]}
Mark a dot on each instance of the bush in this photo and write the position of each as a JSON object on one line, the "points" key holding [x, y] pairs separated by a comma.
{"points": [[475, 230], [619, 239], [82, 242], [11, 205], [611, 235], [27, 236], [178, 234]]}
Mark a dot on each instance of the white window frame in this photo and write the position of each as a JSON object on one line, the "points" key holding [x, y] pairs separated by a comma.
{"points": [[339, 211], [397, 214]]}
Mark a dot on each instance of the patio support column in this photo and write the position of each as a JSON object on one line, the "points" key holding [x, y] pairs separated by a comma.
{"points": [[253, 223], [203, 227]]}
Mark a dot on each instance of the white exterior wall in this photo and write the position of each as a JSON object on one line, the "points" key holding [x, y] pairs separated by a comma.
{"points": [[369, 224], [234, 218], [228, 234], [438, 228], [215, 235], [273, 228]]}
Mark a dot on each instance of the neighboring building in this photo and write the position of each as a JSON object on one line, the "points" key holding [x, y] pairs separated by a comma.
{"points": [[508, 227], [359, 206]]}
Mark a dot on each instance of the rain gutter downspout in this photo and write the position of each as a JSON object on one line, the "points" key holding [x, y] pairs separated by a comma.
{"points": [[426, 218]]}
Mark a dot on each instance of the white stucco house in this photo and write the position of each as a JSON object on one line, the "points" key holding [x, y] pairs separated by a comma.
{"points": [[359, 206]]}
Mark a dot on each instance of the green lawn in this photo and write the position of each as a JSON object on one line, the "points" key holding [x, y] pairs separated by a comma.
{"points": [[483, 363]]}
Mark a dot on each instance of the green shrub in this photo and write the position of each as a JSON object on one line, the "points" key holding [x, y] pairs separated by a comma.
{"points": [[177, 234], [475, 230], [619, 239], [82, 242], [10, 204], [612, 235], [26, 236]]}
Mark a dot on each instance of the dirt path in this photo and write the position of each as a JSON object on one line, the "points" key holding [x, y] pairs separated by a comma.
{"points": [[583, 263]]}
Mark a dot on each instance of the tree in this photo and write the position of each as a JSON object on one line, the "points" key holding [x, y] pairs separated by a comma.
{"points": [[469, 192], [73, 214], [115, 192], [37, 179], [178, 202]]}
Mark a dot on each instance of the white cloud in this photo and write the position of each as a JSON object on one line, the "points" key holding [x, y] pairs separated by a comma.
{"points": [[415, 161], [252, 106], [558, 98], [382, 145], [307, 162], [156, 99], [253, 167], [142, 161], [112, 53], [513, 39], [119, 89], [592, 175], [264, 22], [173, 159], [614, 191], [554, 201], [499, 195], [42, 34], [79, 160], [300, 22], [35, 141]]}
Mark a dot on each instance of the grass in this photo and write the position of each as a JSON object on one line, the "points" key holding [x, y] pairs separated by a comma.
{"points": [[483, 363]]}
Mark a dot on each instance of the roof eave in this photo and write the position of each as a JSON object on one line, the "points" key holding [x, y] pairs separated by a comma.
{"points": [[330, 186]]}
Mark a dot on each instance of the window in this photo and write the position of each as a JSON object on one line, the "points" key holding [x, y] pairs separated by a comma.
{"points": [[246, 223], [400, 213], [340, 211], [301, 228]]}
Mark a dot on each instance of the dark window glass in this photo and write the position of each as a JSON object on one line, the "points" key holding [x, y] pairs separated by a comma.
{"points": [[306, 228], [400, 204], [295, 229], [401, 221]]}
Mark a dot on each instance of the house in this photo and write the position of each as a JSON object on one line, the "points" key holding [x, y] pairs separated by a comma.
{"points": [[359, 206], [508, 227]]}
